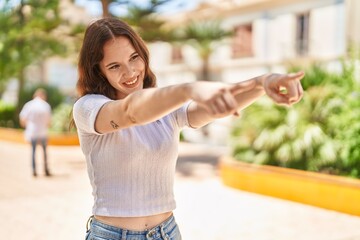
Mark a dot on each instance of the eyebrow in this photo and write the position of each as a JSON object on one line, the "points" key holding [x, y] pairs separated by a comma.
{"points": [[116, 62]]}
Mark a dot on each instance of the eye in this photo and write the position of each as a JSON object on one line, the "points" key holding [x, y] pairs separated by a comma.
{"points": [[114, 67], [133, 58]]}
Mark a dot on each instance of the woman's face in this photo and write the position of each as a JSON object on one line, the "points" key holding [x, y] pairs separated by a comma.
{"points": [[123, 66]]}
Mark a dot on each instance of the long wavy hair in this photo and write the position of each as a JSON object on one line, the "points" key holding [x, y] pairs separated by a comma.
{"points": [[91, 80]]}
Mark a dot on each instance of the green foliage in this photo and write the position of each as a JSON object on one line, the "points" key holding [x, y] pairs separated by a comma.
{"points": [[321, 133], [204, 37], [54, 96], [144, 18], [7, 113], [29, 34], [61, 118], [26, 35], [317, 75], [346, 129], [149, 27]]}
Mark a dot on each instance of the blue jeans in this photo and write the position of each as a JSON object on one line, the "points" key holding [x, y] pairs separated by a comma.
{"points": [[167, 230], [43, 142]]}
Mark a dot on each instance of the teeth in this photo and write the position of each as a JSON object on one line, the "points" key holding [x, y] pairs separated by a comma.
{"points": [[132, 82]]}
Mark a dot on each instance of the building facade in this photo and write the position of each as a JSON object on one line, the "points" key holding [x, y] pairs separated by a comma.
{"points": [[269, 36]]}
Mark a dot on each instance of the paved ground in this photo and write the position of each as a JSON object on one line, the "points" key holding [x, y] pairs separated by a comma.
{"points": [[57, 208]]}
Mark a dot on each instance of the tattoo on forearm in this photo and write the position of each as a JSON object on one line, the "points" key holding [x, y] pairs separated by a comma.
{"points": [[114, 125]]}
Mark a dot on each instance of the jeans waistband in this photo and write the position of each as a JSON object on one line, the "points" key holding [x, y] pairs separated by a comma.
{"points": [[110, 232]]}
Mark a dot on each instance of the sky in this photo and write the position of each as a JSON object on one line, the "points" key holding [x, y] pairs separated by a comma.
{"points": [[94, 7]]}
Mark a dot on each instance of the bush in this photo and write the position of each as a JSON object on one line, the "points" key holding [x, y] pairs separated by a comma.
{"points": [[318, 134], [347, 131], [7, 114], [60, 121]]}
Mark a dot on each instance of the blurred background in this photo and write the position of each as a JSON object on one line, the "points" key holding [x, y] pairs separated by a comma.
{"points": [[212, 40]]}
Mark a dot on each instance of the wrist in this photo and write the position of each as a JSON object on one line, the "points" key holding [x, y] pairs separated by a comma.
{"points": [[260, 80], [186, 90]]}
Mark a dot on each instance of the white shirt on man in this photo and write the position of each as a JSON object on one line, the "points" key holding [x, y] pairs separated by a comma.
{"points": [[37, 115]]}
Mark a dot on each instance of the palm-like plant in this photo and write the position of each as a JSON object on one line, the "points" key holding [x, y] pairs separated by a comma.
{"points": [[204, 37], [146, 21], [144, 18], [105, 4]]}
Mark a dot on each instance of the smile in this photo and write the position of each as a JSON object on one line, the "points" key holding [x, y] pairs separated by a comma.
{"points": [[132, 83]]}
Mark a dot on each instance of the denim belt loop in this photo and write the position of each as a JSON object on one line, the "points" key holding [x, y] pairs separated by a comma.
{"points": [[163, 234], [150, 234], [123, 234], [88, 223]]}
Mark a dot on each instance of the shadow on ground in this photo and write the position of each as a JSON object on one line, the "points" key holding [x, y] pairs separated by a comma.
{"points": [[197, 166]]}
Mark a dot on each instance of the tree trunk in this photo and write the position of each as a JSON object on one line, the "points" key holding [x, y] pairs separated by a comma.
{"points": [[21, 73], [21, 84], [206, 77], [205, 74], [105, 7]]}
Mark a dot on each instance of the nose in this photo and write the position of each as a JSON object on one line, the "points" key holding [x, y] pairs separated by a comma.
{"points": [[129, 71]]}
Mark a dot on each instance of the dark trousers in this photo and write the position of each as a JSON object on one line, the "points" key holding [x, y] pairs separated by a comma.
{"points": [[43, 143]]}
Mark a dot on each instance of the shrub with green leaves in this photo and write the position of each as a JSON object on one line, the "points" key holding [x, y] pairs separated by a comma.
{"points": [[346, 127], [7, 113], [60, 121], [320, 133]]}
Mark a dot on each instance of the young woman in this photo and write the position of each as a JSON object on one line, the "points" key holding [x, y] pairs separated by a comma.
{"points": [[129, 129]]}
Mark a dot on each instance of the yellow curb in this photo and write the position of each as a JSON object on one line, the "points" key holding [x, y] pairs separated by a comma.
{"points": [[17, 135], [326, 191]]}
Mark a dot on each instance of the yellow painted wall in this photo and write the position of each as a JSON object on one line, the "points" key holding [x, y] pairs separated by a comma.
{"points": [[331, 192], [16, 135]]}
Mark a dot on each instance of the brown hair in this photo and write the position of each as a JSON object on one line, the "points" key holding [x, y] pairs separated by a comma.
{"points": [[91, 80], [40, 92]]}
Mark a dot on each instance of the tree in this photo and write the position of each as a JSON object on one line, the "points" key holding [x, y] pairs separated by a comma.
{"points": [[106, 4], [143, 18], [146, 21], [203, 36], [27, 36]]}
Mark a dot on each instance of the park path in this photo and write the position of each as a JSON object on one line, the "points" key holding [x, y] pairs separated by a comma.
{"points": [[58, 207]]}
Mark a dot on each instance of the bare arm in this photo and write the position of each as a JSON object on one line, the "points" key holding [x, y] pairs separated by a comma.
{"points": [[248, 92], [211, 100], [148, 105], [140, 107], [245, 93], [22, 122]]}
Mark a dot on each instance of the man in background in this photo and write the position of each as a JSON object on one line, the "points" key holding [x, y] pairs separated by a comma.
{"points": [[35, 117]]}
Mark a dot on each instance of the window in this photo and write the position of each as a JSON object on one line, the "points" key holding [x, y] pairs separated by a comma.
{"points": [[242, 41], [302, 34]]}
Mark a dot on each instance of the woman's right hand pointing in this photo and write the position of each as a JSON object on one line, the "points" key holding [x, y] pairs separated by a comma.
{"points": [[284, 89]]}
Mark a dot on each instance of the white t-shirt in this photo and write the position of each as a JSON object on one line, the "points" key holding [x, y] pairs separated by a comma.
{"points": [[37, 114], [131, 170]]}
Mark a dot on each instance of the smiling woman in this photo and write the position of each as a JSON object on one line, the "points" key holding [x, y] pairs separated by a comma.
{"points": [[129, 129], [123, 66]]}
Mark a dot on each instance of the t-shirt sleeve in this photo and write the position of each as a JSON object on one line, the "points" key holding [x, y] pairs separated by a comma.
{"points": [[180, 116], [24, 112], [86, 110]]}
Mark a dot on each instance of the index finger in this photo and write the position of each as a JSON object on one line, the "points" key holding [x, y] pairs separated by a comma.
{"points": [[296, 76]]}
